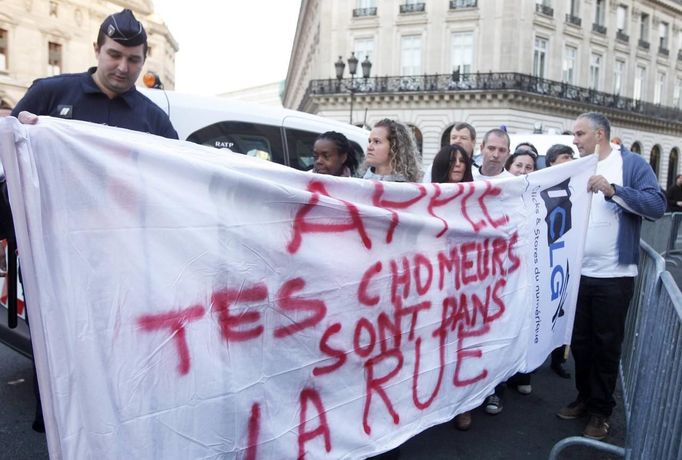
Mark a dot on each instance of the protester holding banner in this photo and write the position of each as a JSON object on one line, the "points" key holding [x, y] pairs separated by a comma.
{"points": [[495, 151], [522, 161], [462, 134], [334, 155], [625, 190], [104, 94], [557, 154], [392, 154], [451, 165]]}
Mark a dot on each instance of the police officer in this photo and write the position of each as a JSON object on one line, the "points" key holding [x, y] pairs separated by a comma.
{"points": [[106, 93]]}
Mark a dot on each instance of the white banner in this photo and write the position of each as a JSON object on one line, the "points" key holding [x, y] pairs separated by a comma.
{"points": [[187, 302]]}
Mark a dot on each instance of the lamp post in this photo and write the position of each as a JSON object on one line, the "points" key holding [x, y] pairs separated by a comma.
{"points": [[340, 66]]}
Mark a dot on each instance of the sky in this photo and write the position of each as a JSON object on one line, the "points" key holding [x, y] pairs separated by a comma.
{"points": [[226, 45]]}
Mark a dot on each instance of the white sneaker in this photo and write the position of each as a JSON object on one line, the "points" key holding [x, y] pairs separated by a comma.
{"points": [[493, 405], [524, 389]]}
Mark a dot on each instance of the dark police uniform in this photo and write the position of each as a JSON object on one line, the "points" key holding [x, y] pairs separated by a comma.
{"points": [[76, 96]]}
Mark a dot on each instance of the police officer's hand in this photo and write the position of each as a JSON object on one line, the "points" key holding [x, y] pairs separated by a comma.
{"points": [[27, 118]]}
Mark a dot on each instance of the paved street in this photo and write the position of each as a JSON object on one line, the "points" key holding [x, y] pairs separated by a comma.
{"points": [[526, 429]]}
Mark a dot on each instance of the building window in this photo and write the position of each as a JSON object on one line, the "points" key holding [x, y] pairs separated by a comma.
{"points": [[410, 55], [658, 89], [539, 57], [365, 8], [575, 8], [569, 64], [595, 71], [672, 167], [644, 27], [622, 19], [544, 7], [599, 12], [663, 36], [3, 50], [655, 159], [412, 6], [618, 74], [54, 58], [640, 75], [677, 92], [364, 47], [462, 52]]}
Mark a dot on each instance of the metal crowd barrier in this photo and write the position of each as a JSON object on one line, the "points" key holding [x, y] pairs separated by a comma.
{"points": [[658, 234], [663, 234], [651, 368]]}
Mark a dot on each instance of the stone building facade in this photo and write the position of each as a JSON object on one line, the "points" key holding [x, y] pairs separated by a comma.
{"points": [[530, 65], [48, 37]]}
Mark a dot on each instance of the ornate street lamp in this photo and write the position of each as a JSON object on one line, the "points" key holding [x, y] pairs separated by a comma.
{"points": [[340, 66]]}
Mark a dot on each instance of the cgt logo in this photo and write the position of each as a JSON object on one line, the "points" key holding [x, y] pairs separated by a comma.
{"points": [[558, 204]]}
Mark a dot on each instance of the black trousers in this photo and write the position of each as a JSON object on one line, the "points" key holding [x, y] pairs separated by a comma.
{"points": [[597, 338]]}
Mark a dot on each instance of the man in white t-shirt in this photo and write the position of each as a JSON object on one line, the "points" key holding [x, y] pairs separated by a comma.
{"points": [[625, 190], [495, 151]]}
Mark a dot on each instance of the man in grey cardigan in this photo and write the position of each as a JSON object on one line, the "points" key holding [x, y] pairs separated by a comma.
{"points": [[625, 191]]}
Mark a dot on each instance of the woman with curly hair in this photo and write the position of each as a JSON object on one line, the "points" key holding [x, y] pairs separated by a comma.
{"points": [[392, 153]]}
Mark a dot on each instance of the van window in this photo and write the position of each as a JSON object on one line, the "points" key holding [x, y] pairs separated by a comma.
{"points": [[300, 145], [251, 139]]}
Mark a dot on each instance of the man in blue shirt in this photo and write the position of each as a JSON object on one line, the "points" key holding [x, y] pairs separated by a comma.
{"points": [[625, 191], [104, 94]]}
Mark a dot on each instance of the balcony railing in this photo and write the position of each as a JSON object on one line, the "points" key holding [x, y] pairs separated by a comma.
{"points": [[622, 36], [544, 9], [643, 44], [663, 51], [492, 82], [598, 28], [575, 20], [458, 4], [412, 8], [362, 12]]}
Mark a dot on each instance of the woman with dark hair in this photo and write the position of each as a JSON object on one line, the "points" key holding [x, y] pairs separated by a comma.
{"points": [[334, 155], [451, 164], [392, 153], [521, 162]]}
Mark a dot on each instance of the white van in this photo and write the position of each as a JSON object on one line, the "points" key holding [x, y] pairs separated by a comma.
{"points": [[276, 134]]}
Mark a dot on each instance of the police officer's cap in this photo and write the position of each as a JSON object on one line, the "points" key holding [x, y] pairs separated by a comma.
{"points": [[124, 28]]}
